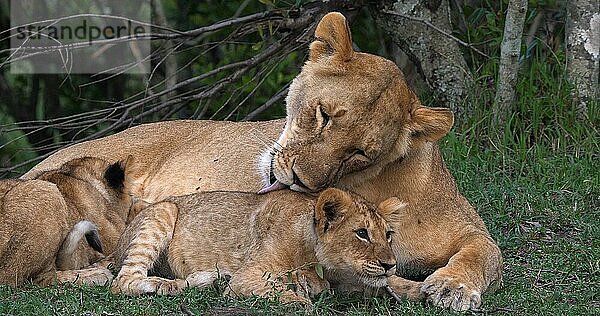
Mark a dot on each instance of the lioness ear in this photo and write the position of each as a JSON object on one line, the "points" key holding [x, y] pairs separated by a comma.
{"points": [[431, 123], [332, 38], [330, 208], [391, 209]]}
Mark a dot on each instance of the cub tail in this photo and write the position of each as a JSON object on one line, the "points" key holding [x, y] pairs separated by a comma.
{"points": [[82, 229]]}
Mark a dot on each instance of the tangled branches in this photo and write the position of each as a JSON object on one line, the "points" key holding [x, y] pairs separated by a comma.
{"points": [[210, 81]]}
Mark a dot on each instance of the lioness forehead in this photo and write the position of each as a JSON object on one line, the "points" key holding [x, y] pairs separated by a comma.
{"points": [[361, 81]]}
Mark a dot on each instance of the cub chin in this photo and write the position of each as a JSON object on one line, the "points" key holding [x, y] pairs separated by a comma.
{"points": [[284, 244], [61, 221]]}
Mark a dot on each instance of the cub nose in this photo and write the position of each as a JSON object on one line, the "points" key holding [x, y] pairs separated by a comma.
{"points": [[387, 265]]}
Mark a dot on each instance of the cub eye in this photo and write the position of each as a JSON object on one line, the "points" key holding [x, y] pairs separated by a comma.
{"points": [[325, 116], [362, 234], [388, 235]]}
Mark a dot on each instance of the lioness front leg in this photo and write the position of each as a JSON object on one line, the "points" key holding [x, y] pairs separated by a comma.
{"points": [[153, 236], [469, 273]]}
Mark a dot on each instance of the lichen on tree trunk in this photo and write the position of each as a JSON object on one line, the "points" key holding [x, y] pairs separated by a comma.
{"points": [[583, 51], [437, 56]]}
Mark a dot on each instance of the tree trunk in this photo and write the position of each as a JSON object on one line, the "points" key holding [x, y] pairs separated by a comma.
{"points": [[583, 51], [170, 60], [437, 56], [509, 63]]}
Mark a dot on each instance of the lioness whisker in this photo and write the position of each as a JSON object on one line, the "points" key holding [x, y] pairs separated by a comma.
{"points": [[271, 146]]}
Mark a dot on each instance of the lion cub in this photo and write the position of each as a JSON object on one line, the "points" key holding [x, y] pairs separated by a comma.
{"points": [[272, 243], [43, 222]]}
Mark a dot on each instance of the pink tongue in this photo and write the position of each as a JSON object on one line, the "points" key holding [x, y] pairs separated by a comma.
{"points": [[272, 187]]}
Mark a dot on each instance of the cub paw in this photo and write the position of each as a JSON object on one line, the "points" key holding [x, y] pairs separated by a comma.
{"points": [[289, 297], [94, 277], [309, 284], [448, 291], [148, 285], [89, 276]]}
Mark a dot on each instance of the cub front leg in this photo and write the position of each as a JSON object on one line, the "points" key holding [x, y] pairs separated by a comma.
{"points": [[153, 235], [476, 267]]}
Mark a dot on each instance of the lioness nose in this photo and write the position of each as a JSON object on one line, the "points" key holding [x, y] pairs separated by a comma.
{"points": [[387, 265]]}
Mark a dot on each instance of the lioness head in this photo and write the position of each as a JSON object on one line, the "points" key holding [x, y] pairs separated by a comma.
{"points": [[354, 237], [349, 114]]}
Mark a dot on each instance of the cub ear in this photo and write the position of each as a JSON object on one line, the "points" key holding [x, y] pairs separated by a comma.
{"points": [[115, 175], [331, 206], [391, 209], [332, 38], [121, 175], [431, 124]]}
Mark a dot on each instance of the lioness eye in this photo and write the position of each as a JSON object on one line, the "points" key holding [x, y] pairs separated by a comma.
{"points": [[362, 234], [360, 152], [325, 117], [388, 235]]}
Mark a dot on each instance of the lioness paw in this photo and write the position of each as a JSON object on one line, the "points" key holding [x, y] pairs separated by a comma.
{"points": [[449, 292]]}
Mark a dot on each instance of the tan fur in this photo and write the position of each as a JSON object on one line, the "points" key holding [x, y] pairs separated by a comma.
{"points": [[267, 244], [43, 223], [380, 142]]}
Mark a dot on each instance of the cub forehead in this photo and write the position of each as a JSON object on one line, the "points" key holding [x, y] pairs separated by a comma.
{"points": [[366, 210]]}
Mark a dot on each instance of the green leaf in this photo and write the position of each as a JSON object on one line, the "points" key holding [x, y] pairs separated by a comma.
{"points": [[319, 270], [257, 46]]}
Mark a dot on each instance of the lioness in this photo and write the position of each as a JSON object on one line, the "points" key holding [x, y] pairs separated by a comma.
{"points": [[43, 222], [352, 122], [259, 241]]}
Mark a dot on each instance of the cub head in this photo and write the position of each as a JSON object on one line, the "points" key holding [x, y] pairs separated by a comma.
{"points": [[108, 184], [349, 114], [353, 236]]}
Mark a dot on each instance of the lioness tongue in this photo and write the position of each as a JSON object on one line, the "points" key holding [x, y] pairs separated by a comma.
{"points": [[272, 187]]}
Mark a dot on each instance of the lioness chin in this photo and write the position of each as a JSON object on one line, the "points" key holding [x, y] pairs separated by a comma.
{"points": [[268, 245], [62, 221], [352, 122]]}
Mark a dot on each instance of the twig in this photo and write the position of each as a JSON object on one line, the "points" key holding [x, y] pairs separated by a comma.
{"points": [[393, 294], [278, 96], [429, 24], [493, 310]]}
